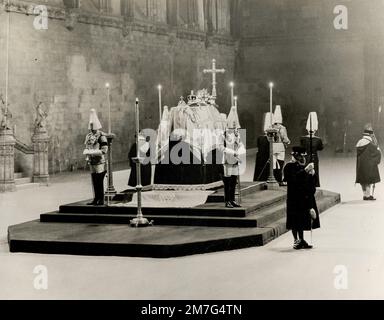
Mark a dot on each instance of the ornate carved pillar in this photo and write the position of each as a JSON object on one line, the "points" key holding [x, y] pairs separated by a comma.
{"points": [[40, 140], [127, 9], [111, 192], [7, 160], [172, 12]]}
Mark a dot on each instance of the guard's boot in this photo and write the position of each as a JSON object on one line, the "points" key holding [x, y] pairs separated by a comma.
{"points": [[232, 192], [94, 186], [227, 197]]}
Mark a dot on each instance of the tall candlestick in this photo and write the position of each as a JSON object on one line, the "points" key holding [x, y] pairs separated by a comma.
{"points": [[159, 87], [109, 107], [139, 221], [137, 128], [270, 100], [7, 63], [231, 84]]}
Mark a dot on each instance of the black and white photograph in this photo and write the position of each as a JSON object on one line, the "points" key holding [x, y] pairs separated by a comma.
{"points": [[191, 150]]}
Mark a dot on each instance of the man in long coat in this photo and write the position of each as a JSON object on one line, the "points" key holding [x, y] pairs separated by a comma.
{"points": [[368, 159], [301, 201]]}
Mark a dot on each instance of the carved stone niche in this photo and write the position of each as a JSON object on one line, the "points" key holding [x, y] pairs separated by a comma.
{"points": [[72, 4], [71, 13], [127, 26], [209, 40], [172, 37]]}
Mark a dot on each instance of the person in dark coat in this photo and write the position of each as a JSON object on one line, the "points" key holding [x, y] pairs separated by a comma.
{"points": [[367, 161], [145, 168], [302, 213], [317, 145], [262, 159]]}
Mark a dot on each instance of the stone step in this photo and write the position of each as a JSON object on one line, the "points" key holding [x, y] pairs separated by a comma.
{"points": [[24, 186], [103, 231], [24, 180], [261, 218], [251, 204], [18, 175]]}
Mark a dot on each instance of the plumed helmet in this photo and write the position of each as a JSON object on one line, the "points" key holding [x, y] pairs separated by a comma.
{"points": [[94, 120], [233, 119], [278, 117], [312, 122], [267, 121]]}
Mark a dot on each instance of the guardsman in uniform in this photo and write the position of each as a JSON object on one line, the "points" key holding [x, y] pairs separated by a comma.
{"points": [[279, 146], [312, 144], [96, 146], [233, 150]]}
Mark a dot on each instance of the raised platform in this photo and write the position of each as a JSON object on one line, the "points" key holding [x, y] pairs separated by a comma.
{"points": [[88, 230]]}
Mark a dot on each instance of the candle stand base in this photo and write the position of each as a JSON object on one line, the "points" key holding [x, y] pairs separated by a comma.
{"points": [[140, 222]]}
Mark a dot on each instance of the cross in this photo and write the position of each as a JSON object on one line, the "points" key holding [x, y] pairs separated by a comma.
{"points": [[214, 71]]}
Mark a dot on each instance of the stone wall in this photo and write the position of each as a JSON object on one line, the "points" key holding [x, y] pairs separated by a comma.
{"points": [[67, 65], [338, 73]]}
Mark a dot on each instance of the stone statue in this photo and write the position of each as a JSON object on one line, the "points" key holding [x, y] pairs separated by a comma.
{"points": [[41, 116], [5, 113]]}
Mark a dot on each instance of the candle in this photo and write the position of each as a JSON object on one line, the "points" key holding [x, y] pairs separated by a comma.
{"points": [[270, 100], [159, 87], [109, 108], [231, 84], [137, 126]]}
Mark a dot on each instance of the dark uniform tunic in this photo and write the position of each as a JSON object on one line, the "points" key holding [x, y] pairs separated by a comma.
{"points": [[262, 157], [300, 197], [317, 145]]}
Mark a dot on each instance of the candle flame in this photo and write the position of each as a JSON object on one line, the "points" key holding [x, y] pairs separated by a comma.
{"points": [[107, 85], [159, 87], [271, 84], [231, 84], [137, 100]]}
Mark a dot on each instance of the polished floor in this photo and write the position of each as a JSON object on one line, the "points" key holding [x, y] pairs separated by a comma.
{"points": [[347, 261]]}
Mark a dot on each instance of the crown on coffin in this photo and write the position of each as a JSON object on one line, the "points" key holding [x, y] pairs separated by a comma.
{"points": [[202, 96]]}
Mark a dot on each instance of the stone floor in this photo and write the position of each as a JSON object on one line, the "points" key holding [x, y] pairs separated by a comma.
{"points": [[346, 263]]}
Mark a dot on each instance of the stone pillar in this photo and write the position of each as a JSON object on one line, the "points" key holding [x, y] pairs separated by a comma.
{"points": [[40, 140], [111, 192], [7, 160]]}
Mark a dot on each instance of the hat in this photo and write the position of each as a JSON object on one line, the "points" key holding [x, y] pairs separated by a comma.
{"points": [[368, 128], [233, 119], [278, 118], [299, 150], [267, 121], [312, 122], [94, 120]]}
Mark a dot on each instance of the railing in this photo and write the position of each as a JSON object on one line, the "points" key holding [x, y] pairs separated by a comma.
{"points": [[24, 148]]}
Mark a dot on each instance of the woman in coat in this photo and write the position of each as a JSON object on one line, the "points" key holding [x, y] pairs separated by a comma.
{"points": [[367, 161], [301, 201]]}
